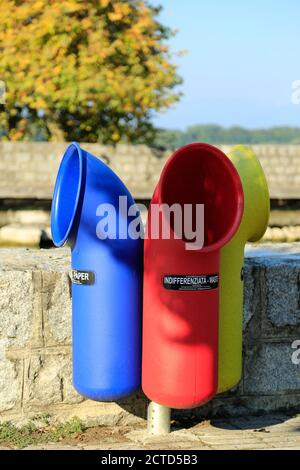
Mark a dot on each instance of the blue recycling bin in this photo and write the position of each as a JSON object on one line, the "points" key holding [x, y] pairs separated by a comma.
{"points": [[106, 274]]}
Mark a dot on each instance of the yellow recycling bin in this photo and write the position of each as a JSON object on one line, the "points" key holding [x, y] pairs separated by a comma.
{"points": [[253, 226]]}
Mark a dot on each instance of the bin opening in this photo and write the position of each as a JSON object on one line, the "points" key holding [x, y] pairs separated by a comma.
{"points": [[66, 194], [201, 174]]}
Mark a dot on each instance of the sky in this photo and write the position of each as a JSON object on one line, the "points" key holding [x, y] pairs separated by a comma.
{"points": [[242, 58]]}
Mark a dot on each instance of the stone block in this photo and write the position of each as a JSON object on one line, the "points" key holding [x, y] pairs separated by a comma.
{"points": [[249, 289], [11, 379], [20, 235], [48, 381], [282, 293], [268, 369], [17, 299], [57, 309]]}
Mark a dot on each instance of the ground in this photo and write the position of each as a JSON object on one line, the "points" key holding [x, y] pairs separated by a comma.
{"points": [[276, 431]]}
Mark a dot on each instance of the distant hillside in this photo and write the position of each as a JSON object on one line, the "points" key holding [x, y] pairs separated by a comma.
{"points": [[214, 134]]}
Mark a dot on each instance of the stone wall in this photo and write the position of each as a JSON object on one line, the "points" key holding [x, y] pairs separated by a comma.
{"points": [[28, 169], [35, 339]]}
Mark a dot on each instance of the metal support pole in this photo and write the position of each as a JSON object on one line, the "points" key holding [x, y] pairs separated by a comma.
{"points": [[159, 419]]}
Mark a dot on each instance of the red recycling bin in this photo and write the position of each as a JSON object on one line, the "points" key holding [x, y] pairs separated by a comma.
{"points": [[181, 276]]}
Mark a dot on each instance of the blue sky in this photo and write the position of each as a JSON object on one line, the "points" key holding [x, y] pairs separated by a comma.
{"points": [[242, 59]]}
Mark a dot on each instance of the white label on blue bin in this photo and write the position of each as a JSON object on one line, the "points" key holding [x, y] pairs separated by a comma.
{"points": [[191, 282], [83, 277]]}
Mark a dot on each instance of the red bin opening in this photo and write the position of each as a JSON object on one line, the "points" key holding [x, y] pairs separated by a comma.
{"points": [[201, 174]]}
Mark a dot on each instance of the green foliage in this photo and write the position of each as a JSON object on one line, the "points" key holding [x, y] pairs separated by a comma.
{"points": [[233, 135], [22, 437], [84, 70]]}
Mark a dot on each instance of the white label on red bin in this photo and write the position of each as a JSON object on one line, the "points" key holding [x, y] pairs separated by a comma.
{"points": [[191, 282]]}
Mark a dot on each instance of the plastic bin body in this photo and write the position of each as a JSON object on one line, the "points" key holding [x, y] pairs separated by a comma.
{"points": [[253, 226], [180, 325], [107, 279]]}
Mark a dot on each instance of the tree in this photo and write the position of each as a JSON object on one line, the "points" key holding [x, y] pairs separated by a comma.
{"points": [[83, 70]]}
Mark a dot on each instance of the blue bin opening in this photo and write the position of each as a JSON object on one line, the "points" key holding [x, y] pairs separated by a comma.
{"points": [[66, 194]]}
